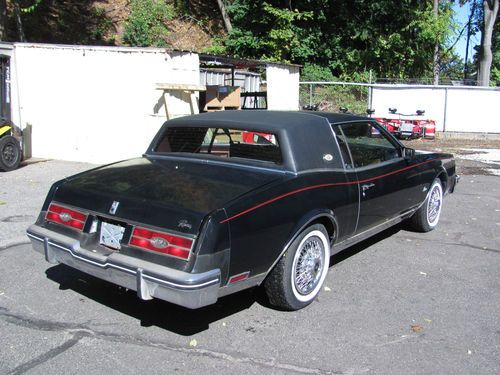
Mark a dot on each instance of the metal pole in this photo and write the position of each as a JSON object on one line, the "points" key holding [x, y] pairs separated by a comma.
{"points": [[310, 94], [445, 108], [370, 92]]}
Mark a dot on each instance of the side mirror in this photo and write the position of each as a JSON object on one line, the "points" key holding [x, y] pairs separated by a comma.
{"points": [[408, 153]]}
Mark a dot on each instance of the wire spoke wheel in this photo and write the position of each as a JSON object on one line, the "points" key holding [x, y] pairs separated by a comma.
{"points": [[297, 278], [426, 218], [308, 265], [434, 204]]}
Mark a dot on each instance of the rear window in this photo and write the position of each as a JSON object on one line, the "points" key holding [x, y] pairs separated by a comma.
{"points": [[221, 142]]}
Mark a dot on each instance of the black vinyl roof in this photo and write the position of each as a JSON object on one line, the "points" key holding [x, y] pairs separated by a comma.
{"points": [[264, 119], [304, 137]]}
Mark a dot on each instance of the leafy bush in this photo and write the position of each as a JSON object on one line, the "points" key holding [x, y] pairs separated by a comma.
{"points": [[313, 72], [145, 25], [217, 47]]}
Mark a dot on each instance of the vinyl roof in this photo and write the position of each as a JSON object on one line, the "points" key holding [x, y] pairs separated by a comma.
{"points": [[264, 119], [304, 137]]}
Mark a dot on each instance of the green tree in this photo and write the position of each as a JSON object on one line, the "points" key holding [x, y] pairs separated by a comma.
{"points": [[395, 39], [265, 31]]}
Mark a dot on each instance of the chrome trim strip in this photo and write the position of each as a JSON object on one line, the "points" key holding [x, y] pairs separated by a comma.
{"points": [[370, 232]]}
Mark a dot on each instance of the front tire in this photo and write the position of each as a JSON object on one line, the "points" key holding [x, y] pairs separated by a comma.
{"points": [[10, 153], [427, 216], [300, 273]]}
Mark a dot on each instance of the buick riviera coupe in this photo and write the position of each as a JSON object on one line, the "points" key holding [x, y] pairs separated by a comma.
{"points": [[225, 201]]}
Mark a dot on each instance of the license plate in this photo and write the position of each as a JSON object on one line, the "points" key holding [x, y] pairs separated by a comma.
{"points": [[111, 235]]}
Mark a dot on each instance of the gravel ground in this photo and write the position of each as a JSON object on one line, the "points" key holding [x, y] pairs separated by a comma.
{"points": [[472, 156]]}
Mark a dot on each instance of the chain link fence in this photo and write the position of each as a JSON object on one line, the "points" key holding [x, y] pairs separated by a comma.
{"points": [[332, 96]]}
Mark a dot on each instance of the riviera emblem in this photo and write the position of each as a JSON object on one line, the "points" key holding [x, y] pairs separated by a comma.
{"points": [[114, 207], [184, 224]]}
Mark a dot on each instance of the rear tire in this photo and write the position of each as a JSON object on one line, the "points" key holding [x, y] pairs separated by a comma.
{"points": [[427, 216], [300, 273], [10, 153]]}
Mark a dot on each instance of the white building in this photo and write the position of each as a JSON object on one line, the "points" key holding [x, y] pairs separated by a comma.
{"points": [[101, 104]]}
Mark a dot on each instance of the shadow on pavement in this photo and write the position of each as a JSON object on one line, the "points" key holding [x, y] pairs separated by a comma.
{"points": [[172, 317], [155, 312]]}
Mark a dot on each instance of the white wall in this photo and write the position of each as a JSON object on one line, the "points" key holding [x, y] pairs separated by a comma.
{"points": [[95, 104], [473, 111], [282, 87], [468, 109]]}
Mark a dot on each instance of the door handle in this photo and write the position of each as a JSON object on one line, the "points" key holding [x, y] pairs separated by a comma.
{"points": [[367, 186]]}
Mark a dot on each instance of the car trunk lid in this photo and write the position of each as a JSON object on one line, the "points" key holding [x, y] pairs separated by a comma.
{"points": [[170, 194]]}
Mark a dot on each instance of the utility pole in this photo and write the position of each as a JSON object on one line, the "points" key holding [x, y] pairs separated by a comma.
{"points": [[436, 67]]}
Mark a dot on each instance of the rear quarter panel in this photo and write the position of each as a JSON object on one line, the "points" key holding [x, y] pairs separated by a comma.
{"points": [[262, 223]]}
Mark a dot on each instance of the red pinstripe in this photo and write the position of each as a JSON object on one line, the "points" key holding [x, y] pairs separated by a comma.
{"points": [[265, 203]]}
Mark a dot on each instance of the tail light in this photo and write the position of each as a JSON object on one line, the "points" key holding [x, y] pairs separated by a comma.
{"points": [[65, 216], [165, 243]]}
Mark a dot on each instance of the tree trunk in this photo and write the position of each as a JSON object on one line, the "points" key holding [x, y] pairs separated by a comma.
{"points": [[3, 19], [469, 31], [486, 57], [225, 17], [19, 22], [436, 64]]}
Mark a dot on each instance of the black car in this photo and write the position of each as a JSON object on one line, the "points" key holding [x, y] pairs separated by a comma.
{"points": [[225, 201]]}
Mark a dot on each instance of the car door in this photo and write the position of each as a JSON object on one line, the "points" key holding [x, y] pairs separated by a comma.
{"points": [[388, 186]]}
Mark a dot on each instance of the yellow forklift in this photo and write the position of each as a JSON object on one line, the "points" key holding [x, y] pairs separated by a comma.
{"points": [[10, 135], [10, 146]]}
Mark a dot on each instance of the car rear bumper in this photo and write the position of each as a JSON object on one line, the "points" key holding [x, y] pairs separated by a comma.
{"points": [[148, 279]]}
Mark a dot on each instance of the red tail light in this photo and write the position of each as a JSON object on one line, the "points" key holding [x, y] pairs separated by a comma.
{"points": [[165, 243], [65, 216]]}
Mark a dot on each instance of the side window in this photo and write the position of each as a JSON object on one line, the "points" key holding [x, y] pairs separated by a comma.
{"points": [[367, 144]]}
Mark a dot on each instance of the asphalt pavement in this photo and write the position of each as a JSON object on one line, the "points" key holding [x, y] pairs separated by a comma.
{"points": [[400, 303]]}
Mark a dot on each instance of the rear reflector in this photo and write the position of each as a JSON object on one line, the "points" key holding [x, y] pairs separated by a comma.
{"points": [[165, 243], [239, 277], [65, 216]]}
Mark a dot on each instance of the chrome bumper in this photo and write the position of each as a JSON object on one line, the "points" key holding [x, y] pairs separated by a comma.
{"points": [[148, 279]]}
